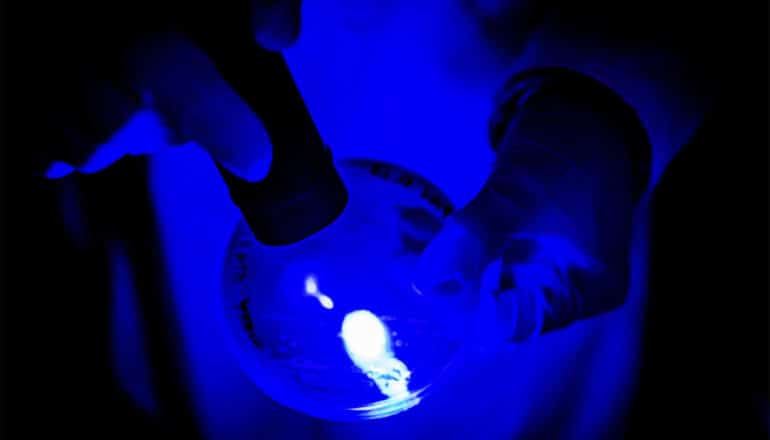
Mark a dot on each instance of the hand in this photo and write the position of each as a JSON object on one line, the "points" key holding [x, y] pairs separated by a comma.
{"points": [[165, 93], [467, 259], [548, 236], [532, 281]]}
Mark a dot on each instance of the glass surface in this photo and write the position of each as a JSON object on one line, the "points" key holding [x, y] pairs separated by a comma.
{"points": [[334, 326]]}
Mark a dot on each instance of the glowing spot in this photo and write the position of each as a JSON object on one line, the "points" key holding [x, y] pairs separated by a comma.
{"points": [[325, 301], [367, 342], [311, 285], [311, 289], [416, 290], [365, 336], [390, 375]]}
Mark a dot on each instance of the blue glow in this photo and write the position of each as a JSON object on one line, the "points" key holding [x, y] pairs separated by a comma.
{"points": [[366, 337], [143, 133], [311, 289], [58, 169], [373, 94], [325, 302], [367, 342], [382, 345], [311, 285]]}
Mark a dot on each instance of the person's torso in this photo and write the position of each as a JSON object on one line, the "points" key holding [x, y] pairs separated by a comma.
{"points": [[380, 94]]}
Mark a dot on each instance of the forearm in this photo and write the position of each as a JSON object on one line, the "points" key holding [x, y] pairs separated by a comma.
{"points": [[569, 168]]}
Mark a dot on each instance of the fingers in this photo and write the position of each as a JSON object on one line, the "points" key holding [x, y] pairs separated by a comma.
{"points": [[468, 242], [93, 122], [547, 284], [520, 310], [183, 85], [513, 307], [143, 133], [518, 314], [86, 116], [534, 284], [97, 123], [276, 23], [452, 262]]}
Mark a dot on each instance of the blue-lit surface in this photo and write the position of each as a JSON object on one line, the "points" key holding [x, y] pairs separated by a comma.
{"points": [[332, 326], [374, 94], [131, 366]]}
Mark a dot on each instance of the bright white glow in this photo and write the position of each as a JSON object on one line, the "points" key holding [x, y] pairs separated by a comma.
{"points": [[311, 289], [367, 342], [391, 376], [365, 336], [325, 301], [311, 285]]}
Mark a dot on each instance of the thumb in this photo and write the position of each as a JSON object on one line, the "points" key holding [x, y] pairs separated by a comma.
{"points": [[187, 89], [454, 261], [449, 274], [276, 23]]}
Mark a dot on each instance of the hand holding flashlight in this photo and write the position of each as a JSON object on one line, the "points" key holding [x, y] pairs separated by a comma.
{"points": [[156, 90]]}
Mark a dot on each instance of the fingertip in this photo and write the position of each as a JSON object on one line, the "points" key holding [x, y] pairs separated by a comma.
{"points": [[145, 133], [456, 254], [104, 156], [253, 172], [276, 24], [199, 106], [57, 170], [518, 314]]}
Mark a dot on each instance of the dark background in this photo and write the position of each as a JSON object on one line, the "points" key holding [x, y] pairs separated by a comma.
{"points": [[704, 370]]}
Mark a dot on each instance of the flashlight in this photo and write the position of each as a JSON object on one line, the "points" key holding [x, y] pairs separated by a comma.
{"points": [[303, 192]]}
